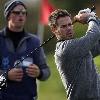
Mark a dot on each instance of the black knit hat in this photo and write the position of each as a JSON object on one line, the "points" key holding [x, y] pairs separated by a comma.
{"points": [[10, 5]]}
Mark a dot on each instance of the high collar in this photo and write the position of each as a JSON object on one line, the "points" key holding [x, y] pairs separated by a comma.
{"points": [[13, 34]]}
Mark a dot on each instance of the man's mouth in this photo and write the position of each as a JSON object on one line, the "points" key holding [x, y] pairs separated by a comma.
{"points": [[68, 33], [20, 20]]}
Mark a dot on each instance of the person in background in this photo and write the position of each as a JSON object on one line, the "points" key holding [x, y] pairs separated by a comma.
{"points": [[74, 56], [16, 43]]}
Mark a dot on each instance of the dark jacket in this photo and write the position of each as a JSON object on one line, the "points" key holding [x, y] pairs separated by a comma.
{"points": [[27, 88]]}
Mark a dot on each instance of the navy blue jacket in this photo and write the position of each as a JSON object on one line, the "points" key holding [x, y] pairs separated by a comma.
{"points": [[27, 88]]}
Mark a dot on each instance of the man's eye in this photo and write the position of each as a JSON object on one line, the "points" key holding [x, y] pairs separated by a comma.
{"points": [[70, 24], [63, 26]]}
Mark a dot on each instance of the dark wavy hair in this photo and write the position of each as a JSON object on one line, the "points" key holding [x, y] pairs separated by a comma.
{"points": [[56, 15]]}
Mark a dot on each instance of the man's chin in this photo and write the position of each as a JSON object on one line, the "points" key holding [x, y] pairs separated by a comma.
{"points": [[69, 36]]}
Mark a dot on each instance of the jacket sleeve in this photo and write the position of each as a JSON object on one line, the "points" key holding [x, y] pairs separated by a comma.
{"points": [[40, 60], [96, 49], [44, 68], [81, 46]]}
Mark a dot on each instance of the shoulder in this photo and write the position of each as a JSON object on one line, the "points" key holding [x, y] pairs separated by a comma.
{"points": [[1, 32], [33, 38]]}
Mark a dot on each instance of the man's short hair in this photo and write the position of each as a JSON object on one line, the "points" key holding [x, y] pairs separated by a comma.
{"points": [[56, 15]]}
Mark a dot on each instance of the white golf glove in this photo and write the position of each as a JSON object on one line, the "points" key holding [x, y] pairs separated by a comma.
{"points": [[92, 14]]}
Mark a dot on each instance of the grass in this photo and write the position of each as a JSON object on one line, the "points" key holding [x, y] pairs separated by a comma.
{"points": [[53, 89], [97, 62]]}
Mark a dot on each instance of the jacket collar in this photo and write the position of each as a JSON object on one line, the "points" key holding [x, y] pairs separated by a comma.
{"points": [[4, 33]]}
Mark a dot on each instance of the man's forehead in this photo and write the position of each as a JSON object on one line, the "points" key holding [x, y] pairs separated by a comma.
{"points": [[19, 7], [64, 20]]}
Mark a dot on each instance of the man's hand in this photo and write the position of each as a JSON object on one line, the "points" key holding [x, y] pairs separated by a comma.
{"points": [[15, 74], [83, 15], [33, 71]]}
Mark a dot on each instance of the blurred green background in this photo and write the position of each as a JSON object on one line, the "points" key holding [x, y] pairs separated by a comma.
{"points": [[53, 88]]}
